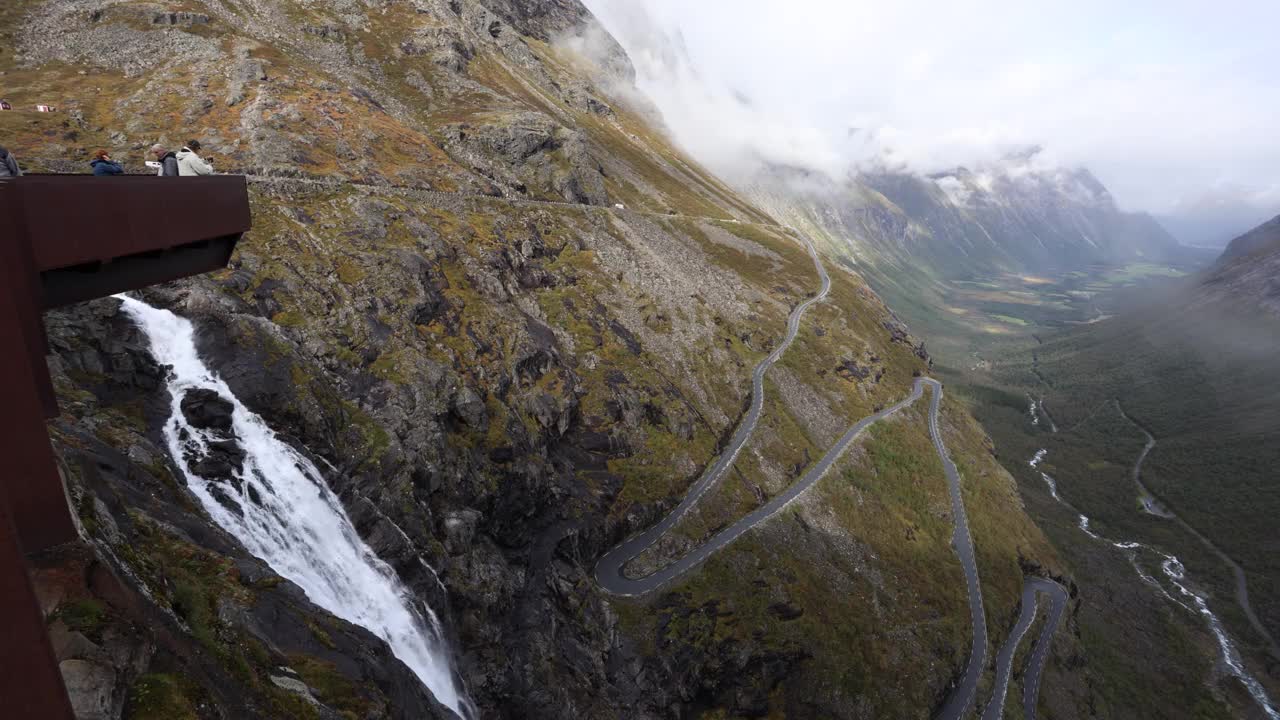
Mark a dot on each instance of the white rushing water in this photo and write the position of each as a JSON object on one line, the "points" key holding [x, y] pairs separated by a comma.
{"points": [[292, 520], [1036, 410], [1174, 571]]}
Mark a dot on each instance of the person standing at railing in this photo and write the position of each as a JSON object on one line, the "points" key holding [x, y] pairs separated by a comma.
{"points": [[165, 160], [102, 164], [9, 164], [190, 163]]}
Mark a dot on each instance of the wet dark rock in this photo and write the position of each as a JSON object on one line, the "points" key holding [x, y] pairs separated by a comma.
{"points": [[207, 410], [99, 344], [225, 499], [222, 460], [596, 442]]}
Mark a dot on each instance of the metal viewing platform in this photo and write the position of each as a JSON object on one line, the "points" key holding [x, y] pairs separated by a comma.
{"points": [[66, 239]]}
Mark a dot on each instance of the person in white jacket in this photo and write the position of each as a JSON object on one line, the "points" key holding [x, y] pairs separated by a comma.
{"points": [[190, 163]]}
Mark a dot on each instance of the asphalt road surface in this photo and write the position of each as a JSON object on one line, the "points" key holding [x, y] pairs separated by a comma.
{"points": [[1040, 653], [610, 570], [1032, 589]]}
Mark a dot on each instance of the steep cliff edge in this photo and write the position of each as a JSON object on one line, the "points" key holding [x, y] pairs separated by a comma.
{"points": [[501, 375]]}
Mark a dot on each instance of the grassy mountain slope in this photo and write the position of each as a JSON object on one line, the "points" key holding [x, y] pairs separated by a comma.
{"points": [[504, 374]]}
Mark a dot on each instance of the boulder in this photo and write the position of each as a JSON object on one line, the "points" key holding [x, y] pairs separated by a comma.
{"points": [[207, 410], [460, 530], [91, 687], [469, 405]]}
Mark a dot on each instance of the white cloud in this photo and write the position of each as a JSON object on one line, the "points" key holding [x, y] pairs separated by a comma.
{"points": [[1162, 100]]}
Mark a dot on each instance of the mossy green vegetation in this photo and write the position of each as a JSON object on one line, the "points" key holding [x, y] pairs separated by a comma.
{"points": [[161, 696], [189, 579], [349, 272], [331, 687], [83, 615]]}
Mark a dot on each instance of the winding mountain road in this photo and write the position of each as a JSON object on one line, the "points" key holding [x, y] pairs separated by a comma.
{"points": [[1031, 591], [610, 569], [1040, 653], [962, 696]]}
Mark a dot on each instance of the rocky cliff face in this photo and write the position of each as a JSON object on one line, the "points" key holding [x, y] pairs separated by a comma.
{"points": [[501, 373]]}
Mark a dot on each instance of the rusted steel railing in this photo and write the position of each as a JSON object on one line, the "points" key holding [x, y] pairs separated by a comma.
{"points": [[66, 239]]}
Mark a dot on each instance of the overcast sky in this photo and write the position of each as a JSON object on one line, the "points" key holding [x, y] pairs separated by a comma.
{"points": [[1175, 105]]}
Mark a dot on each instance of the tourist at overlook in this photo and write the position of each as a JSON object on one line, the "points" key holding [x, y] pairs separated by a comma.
{"points": [[167, 160], [102, 164], [190, 163], [9, 164]]}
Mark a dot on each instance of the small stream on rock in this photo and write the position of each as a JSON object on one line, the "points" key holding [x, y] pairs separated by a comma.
{"points": [[276, 502], [1176, 575]]}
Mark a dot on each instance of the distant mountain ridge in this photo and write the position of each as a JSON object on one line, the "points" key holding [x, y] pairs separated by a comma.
{"points": [[1013, 217], [1264, 238], [1248, 273]]}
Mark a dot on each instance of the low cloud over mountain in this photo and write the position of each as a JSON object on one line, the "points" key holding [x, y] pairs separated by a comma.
{"points": [[1163, 103]]}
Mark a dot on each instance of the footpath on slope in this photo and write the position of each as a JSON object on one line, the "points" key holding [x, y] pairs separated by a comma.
{"points": [[420, 191], [610, 575]]}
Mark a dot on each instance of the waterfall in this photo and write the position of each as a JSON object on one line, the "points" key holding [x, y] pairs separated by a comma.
{"points": [[279, 506]]}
